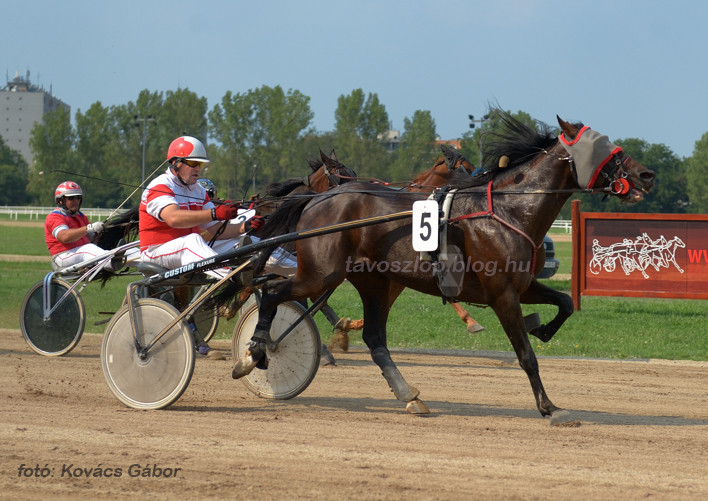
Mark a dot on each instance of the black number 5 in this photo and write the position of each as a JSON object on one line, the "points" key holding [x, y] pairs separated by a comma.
{"points": [[425, 235]]}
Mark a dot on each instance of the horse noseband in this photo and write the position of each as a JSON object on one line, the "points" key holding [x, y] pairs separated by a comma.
{"points": [[617, 178]]}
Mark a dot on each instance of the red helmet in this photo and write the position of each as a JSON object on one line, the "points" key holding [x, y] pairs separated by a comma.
{"points": [[188, 148], [67, 188]]}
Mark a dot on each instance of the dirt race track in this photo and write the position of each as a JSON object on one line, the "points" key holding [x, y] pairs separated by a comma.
{"points": [[643, 432]]}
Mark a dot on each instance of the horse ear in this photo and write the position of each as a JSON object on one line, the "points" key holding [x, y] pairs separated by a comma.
{"points": [[569, 130], [451, 155], [333, 155], [326, 160]]}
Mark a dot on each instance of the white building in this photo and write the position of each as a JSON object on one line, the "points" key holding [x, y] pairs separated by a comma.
{"points": [[22, 104]]}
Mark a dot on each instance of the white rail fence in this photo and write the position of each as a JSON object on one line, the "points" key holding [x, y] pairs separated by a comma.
{"points": [[564, 224], [39, 213]]}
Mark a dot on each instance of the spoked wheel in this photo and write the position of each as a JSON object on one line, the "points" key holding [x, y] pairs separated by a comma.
{"points": [[61, 332], [158, 378], [293, 364], [206, 318]]}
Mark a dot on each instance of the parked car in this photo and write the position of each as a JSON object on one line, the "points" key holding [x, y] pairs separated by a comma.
{"points": [[551, 265]]}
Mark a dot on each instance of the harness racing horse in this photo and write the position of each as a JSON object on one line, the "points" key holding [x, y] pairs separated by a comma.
{"points": [[437, 176], [327, 172], [501, 223]]}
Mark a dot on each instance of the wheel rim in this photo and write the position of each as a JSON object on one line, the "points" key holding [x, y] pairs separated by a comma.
{"points": [[63, 330], [292, 367], [159, 379]]}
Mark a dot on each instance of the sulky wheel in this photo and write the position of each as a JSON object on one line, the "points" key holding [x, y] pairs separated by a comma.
{"points": [[294, 362], [156, 379], [206, 318], [61, 332]]}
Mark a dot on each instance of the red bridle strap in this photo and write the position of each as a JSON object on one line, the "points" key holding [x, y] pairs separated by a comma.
{"points": [[490, 213]]}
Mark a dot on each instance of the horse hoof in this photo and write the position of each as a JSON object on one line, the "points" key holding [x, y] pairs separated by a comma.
{"points": [[474, 327], [417, 407], [414, 391], [563, 418], [326, 357], [244, 366], [227, 312], [343, 324], [340, 342]]}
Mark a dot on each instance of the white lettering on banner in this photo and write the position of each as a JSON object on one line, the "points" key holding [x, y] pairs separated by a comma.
{"points": [[637, 254]]}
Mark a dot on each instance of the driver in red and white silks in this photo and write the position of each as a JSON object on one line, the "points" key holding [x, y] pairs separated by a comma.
{"points": [[68, 233], [175, 210]]}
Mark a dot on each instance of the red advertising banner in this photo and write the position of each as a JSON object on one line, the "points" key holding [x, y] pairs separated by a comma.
{"points": [[640, 255]]}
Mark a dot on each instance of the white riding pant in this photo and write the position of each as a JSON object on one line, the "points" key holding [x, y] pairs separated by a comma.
{"points": [[89, 251], [192, 248]]}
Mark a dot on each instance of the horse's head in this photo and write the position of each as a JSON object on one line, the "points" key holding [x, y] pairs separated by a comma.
{"points": [[452, 163], [454, 159], [597, 163], [331, 173]]}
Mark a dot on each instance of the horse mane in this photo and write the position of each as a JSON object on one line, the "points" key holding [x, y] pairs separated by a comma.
{"points": [[513, 139], [283, 220], [282, 188]]}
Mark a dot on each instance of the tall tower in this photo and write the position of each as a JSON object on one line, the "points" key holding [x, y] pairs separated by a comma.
{"points": [[21, 105]]}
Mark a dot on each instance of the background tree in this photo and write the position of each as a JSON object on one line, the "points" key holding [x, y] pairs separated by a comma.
{"points": [[170, 115], [265, 135], [126, 147], [52, 146], [13, 176], [697, 172], [417, 150], [95, 131], [260, 137], [360, 122]]}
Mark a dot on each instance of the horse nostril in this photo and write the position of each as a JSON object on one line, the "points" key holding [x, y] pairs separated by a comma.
{"points": [[648, 176]]}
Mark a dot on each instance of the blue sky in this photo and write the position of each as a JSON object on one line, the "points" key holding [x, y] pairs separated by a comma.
{"points": [[625, 68]]}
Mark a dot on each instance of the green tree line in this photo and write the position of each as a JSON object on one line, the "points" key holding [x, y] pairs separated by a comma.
{"points": [[266, 135]]}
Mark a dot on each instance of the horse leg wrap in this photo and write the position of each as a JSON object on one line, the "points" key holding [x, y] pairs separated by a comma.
{"points": [[393, 377], [255, 357], [532, 322]]}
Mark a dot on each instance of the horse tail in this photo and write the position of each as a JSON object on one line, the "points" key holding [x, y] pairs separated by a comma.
{"points": [[283, 220], [123, 226]]}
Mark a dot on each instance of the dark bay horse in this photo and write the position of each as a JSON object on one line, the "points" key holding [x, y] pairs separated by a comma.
{"points": [[327, 172], [440, 174], [501, 223]]}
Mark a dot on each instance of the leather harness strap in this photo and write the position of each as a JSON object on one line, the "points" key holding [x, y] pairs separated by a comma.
{"points": [[490, 213]]}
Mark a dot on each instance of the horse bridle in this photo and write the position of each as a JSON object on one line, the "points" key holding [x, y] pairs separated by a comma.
{"points": [[334, 178], [616, 175]]}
